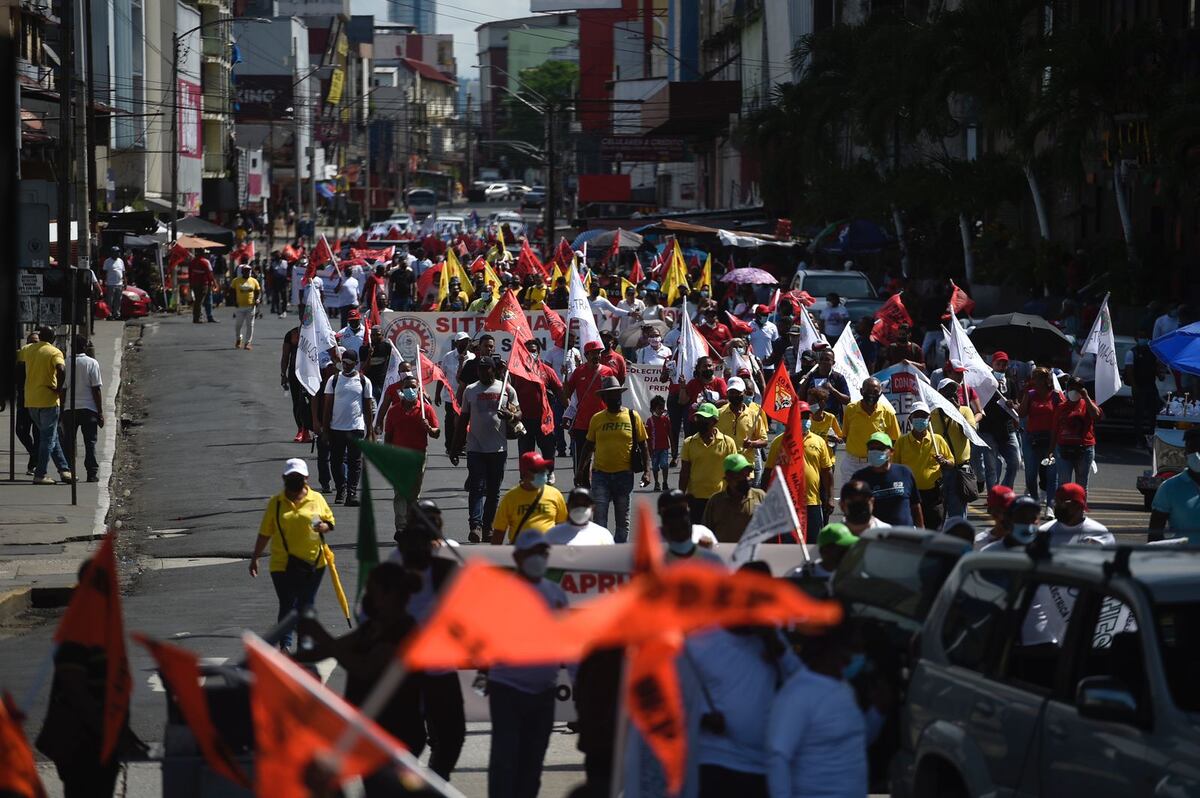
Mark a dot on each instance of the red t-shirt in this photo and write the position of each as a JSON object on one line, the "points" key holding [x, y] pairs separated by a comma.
{"points": [[403, 426], [584, 382], [615, 361], [658, 431], [200, 272], [718, 336], [1040, 416], [713, 388], [1074, 426], [529, 394]]}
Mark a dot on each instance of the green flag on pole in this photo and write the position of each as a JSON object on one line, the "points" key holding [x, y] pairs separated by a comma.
{"points": [[367, 547], [401, 467]]}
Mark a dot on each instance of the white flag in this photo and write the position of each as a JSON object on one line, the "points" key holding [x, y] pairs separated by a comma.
{"points": [[964, 355], [938, 402], [1101, 344], [775, 516], [810, 336], [579, 307], [691, 347], [390, 378], [848, 359], [316, 336]]}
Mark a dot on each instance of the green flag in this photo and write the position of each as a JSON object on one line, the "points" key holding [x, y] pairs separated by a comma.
{"points": [[367, 548], [400, 466]]}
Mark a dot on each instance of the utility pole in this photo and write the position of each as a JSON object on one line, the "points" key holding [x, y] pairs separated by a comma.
{"points": [[551, 176], [173, 144], [296, 137], [66, 164]]}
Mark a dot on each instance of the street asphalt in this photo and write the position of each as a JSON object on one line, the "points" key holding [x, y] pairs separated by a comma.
{"points": [[204, 453]]}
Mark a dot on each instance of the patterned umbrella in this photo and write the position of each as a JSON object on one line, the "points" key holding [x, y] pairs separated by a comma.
{"points": [[750, 276]]}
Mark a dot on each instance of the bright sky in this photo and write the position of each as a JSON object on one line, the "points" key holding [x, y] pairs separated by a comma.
{"points": [[458, 18]]}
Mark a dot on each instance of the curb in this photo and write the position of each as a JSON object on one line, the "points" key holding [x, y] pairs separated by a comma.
{"points": [[14, 602]]}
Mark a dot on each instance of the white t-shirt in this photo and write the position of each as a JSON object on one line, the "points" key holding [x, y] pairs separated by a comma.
{"points": [[1088, 531], [650, 356], [763, 338], [347, 295], [568, 534], [451, 362], [835, 320], [114, 272], [89, 377], [348, 393], [350, 339]]}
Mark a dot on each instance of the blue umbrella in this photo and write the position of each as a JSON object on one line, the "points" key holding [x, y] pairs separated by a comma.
{"points": [[585, 236], [1180, 349]]}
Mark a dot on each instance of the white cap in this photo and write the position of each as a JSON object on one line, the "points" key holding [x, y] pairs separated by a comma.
{"points": [[295, 465], [919, 406], [530, 539], [946, 381], [461, 336], [736, 384]]}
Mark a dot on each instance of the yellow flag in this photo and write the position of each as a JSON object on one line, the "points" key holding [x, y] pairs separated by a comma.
{"points": [[490, 279], [555, 274], [706, 275], [625, 286], [500, 238], [457, 270], [443, 283], [676, 276]]}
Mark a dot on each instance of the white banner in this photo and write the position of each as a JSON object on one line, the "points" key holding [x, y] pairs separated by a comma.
{"points": [[775, 516], [848, 359], [644, 383], [938, 402], [1100, 342], [433, 333], [579, 307], [316, 336]]}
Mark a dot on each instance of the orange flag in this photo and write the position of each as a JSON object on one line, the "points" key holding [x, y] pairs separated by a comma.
{"points": [[556, 325], [297, 719], [780, 396], [791, 464], [647, 546], [18, 774], [93, 620], [655, 704], [508, 317], [180, 672]]}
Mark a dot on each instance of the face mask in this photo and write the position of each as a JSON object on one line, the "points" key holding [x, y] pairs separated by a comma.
{"points": [[920, 424], [681, 548], [705, 375], [806, 424], [654, 342], [293, 484], [409, 394], [1073, 396], [534, 566], [858, 512], [1193, 462], [580, 516], [856, 665], [539, 480], [761, 320], [877, 458], [1023, 533], [998, 374]]}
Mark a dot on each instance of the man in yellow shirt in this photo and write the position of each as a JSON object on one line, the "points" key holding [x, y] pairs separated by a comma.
{"points": [[743, 421], [613, 435], [818, 469], [926, 454], [861, 420], [247, 291], [703, 471], [531, 504], [45, 375]]}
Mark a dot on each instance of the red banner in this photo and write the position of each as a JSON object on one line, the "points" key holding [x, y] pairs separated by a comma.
{"points": [[888, 320], [558, 327], [655, 704], [430, 373], [791, 463], [780, 396], [18, 773]]}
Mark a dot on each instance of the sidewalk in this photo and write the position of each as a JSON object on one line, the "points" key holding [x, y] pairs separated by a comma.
{"points": [[43, 537]]}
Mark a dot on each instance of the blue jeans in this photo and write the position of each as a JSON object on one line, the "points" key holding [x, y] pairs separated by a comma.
{"points": [[485, 473], [1035, 448], [951, 499], [295, 591], [208, 304], [612, 489], [87, 422], [1005, 448], [816, 522], [46, 421], [521, 727], [1075, 469]]}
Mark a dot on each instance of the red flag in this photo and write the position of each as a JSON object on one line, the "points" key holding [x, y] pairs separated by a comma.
{"points": [[373, 254], [888, 318], [558, 327], [18, 773], [655, 704], [478, 265], [791, 464], [430, 373], [521, 366], [180, 672], [774, 303], [737, 326], [636, 275], [960, 303], [373, 316], [614, 251], [780, 396], [427, 283], [93, 620], [798, 299], [322, 253], [508, 317], [243, 252], [290, 253], [177, 255], [528, 262], [564, 255], [297, 719], [647, 548]]}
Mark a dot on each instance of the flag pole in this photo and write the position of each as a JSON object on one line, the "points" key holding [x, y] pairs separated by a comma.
{"points": [[620, 731], [1096, 321]]}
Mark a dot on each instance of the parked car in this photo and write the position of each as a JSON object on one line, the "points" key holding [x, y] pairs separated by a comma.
{"points": [[855, 289], [514, 220], [1068, 673], [496, 192], [381, 229], [534, 198], [450, 226], [516, 189], [421, 202]]}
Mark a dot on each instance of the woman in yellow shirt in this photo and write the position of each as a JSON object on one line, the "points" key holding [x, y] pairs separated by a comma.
{"points": [[294, 526], [530, 504]]}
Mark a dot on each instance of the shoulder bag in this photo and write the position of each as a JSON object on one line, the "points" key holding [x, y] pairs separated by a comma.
{"points": [[296, 566], [637, 459], [528, 512]]}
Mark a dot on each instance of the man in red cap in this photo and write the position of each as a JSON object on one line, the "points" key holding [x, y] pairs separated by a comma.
{"points": [[352, 335], [583, 384], [1071, 524], [763, 333], [532, 503], [998, 500]]}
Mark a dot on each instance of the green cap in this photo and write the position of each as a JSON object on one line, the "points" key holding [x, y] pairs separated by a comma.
{"points": [[881, 437], [837, 534], [706, 410], [736, 463]]}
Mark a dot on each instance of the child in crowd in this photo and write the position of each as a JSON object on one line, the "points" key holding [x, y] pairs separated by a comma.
{"points": [[658, 431], [824, 423]]}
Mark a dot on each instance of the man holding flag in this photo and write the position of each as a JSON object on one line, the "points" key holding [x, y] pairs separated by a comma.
{"points": [[409, 424]]}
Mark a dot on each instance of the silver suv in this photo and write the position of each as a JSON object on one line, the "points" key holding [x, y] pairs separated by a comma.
{"points": [[1074, 674]]}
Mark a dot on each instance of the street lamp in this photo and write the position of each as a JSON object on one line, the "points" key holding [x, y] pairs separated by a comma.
{"points": [[175, 37]]}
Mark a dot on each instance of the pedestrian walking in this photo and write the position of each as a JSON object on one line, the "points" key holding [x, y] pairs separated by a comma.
{"points": [[487, 404], [824, 376], [521, 699], [616, 440], [451, 363], [818, 468], [532, 503], [529, 396], [24, 428], [998, 428], [729, 510], [409, 422], [658, 433], [114, 282], [1073, 435], [744, 421], [1071, 525], [1176, 504], [280, 278], [928, 456], [1142, 372], [352, 335], [202, 282], [88, 415], [579, 529], [897, 501], [862, 419], [582, 385], [376, 356], [294, 525], [703, 471], [1036, 410], [45, 376], [857, 503], [247, 293], [346, 407], [953, 497]]}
